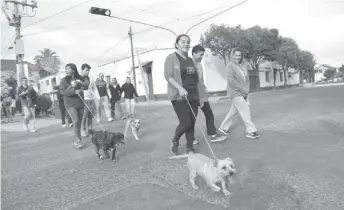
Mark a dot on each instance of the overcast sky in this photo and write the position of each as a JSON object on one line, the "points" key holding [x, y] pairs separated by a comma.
{"points": [[77, 36]]}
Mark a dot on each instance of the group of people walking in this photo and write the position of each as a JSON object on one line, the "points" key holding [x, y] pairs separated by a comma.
{"points": [[80, 99], [186, 91]]}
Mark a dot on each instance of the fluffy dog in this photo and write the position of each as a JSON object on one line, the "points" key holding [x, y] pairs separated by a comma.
{"points": [[104, 141], [213, 171], [134, 125]]}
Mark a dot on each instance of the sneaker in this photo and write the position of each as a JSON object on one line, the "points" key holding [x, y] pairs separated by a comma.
{"points": [[174, 147], [70, 125], [33, 130], [110, 119], [217, 138], [190, 151], [253, 135], [224, 132], [84, 133], [26, 128], [195, 142], [64, 125], [78, 144]]}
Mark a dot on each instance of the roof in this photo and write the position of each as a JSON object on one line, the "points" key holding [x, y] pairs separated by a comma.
{"points": [[8, 64]]}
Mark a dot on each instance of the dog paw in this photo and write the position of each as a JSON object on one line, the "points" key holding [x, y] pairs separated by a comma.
{"points": [[216, 189], [226, 192], [195, 187]]}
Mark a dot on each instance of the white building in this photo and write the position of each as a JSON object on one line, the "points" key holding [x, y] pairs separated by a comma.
{"points": [[153, 66]]}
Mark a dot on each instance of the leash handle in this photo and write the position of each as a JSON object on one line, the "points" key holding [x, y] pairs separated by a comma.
{"points": [[89, 109], [205, 137]]}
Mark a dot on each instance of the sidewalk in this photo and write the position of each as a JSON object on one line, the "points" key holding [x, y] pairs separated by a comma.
{"points": [[17, 126]]}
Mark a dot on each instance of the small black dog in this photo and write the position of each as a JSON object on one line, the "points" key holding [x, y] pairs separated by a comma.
{"points": [[104, 141]]}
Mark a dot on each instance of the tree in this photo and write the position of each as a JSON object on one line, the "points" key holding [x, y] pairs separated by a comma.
{"points": [[287, 55], [305, 64], [341, 71], [329, 73], [220, 40], [261, 44], [47, 62]]}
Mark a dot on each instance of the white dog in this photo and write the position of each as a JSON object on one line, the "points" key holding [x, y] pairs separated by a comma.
{"points": [[213, 171], [134, 125]]}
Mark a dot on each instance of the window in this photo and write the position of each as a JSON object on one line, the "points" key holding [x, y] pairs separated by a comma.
{"points": [[281, 76], [267, 76], [47, 82], [53, 81]]}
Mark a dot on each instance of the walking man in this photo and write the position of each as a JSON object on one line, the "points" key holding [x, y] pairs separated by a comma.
{"points": [[197, 56], [90, 107], [130, 96], [115, 90], [102, 97]]}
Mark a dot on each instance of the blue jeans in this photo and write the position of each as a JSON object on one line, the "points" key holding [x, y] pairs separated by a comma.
{"points": [[76, 115]]}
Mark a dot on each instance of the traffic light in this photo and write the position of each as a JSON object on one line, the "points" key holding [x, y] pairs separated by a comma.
{"points": [[100, 11]]}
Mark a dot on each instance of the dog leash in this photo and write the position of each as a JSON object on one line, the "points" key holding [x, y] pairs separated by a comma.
{"points": [[89, 109], [205, 137]]}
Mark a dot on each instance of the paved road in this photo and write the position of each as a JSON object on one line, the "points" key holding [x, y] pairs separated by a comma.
{"points": [[296, 164]]}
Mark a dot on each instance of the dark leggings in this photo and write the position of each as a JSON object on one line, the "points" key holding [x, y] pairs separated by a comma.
{"points": [[76, 115], [186, 120]]}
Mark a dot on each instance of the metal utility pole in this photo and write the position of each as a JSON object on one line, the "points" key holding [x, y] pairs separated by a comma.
{"points": [[130, 33], [15, 21]]}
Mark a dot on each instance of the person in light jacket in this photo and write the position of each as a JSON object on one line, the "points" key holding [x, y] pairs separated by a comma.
{"points": [[115, 100], [238, 88], [183, 82]]}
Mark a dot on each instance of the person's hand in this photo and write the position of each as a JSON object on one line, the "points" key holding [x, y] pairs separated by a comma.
{"points": [[78, 91], [182, 92], [136, 100], [73, 83], [201, 104]]}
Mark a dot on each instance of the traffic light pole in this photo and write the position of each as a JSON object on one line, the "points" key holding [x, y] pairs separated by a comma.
{"points": [[130, 33]]}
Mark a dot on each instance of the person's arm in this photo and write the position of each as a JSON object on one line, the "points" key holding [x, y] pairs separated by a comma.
{"points": [[168, 72], [66, 89], [85, 83]]}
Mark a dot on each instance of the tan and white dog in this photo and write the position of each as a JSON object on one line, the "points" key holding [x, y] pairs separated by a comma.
{"points": [[134, 126], [213, 171]]}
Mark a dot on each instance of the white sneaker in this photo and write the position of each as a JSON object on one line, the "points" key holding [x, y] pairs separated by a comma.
{"points": [[26, 128], [70, 125], [64, 125], [33, 130], [110, 119], [195, 142]]}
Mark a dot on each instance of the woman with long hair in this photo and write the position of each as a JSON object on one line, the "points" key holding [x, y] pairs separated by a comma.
{"points": [[238, 86], [183, 91], [71, 88]]}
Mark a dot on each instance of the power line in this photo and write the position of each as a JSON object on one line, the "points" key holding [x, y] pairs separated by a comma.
{"points": [[7, 45], [113, 46], [216, 15], [53, 15], [63, 26], [142, 10]]}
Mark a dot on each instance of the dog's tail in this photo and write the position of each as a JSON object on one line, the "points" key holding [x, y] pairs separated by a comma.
{"points": [[179, 156]]}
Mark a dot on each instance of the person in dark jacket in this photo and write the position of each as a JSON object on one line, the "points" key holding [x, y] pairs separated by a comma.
{"points": [[71, 87], [63, 110], [115, 90], [130, 95], [28, 97]]}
